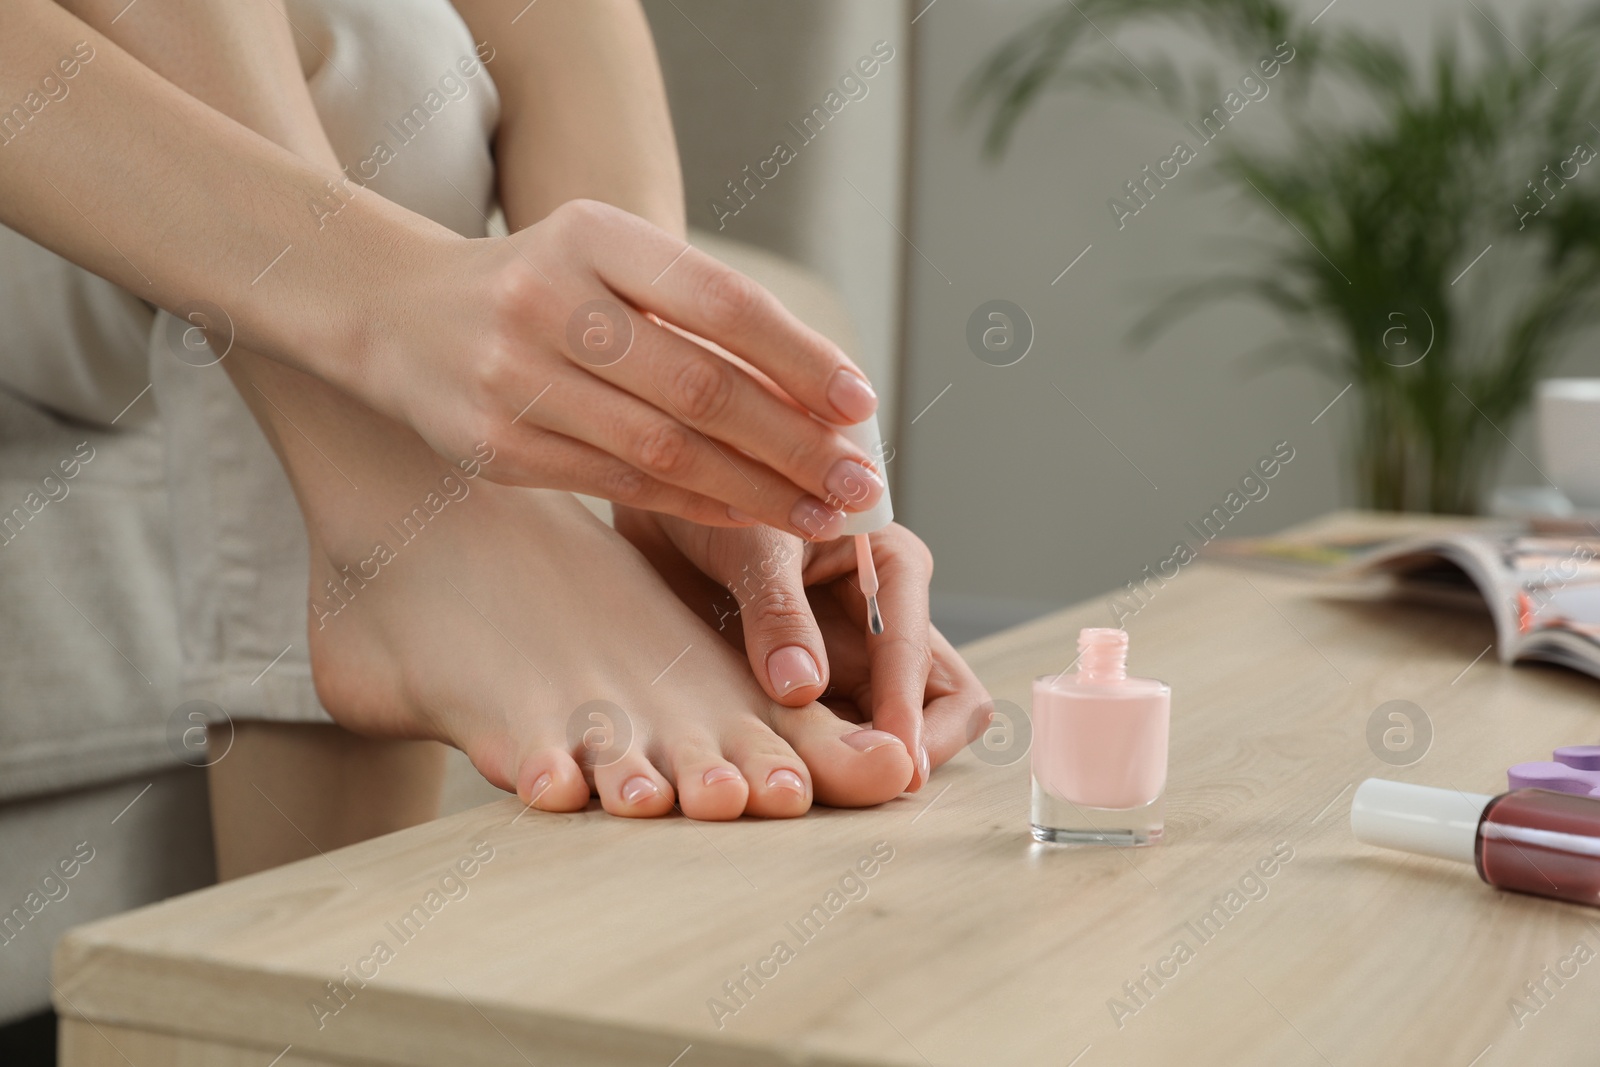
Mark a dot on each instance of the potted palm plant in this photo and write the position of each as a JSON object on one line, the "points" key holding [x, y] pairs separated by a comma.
{"points": [[1437, 232]]}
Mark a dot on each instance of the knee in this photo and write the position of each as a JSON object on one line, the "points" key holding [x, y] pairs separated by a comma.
{"points": [[408, 103]]}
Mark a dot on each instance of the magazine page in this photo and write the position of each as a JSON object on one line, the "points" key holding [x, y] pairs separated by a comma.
{"points": [[1458, 570], [1558, 599], [1339, 544], [1543, 592], [1540, 587]]}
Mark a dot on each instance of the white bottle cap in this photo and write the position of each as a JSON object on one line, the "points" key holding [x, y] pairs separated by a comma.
{"points": [[865, 436], [1418, 818]]}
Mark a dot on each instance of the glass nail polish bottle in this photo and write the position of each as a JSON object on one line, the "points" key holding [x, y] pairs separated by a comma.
{"points": [[1099, 749], [1528, 840]]}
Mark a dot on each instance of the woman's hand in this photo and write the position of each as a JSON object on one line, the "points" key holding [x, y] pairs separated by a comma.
{"points": [[535, 344], [798, 611], [546, 354]]}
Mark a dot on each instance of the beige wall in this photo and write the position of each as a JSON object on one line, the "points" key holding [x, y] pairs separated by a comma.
{"points": [[1027, 501], [738, 73]]}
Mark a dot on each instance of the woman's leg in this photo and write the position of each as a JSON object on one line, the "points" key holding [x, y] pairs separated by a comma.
{"points": [[284, 790], [505, 621]]}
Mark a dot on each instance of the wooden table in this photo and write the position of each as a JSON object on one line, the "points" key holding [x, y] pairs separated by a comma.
{"points": [[589, 940]]}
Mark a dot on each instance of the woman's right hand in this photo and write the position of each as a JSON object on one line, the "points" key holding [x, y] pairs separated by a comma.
{"points": [[538, 345], [466, 341]]}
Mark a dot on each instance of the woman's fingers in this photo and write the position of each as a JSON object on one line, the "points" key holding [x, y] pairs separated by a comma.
{"points": [[781, 636], [901, 656], [662, 449], [553, 461], [659, 273], [762, 569], [957, 703], [722, 402], [747, 423]]}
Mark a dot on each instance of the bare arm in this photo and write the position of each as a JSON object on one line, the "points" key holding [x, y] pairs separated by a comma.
{"points": [[584, 112], [238, 57], [131, 177]]}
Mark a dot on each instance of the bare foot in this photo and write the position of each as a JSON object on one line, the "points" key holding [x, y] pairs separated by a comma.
{"points": [[486, 616]]}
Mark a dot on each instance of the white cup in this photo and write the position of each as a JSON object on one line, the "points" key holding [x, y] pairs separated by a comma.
{"points": [[1568, 415]]}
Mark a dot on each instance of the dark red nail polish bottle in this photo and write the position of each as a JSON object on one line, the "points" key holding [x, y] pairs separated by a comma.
{"points": [[1527, 840]]}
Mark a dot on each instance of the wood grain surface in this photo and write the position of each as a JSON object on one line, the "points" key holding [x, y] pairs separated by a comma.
{"points": [[589, 940]]}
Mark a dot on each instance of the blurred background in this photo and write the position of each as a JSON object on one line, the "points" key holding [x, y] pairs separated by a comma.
{"points": [[1064, 474]]}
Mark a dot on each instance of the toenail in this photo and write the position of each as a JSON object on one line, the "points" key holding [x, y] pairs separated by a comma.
{"points": [[638, 790], [791, 667], [718, 775], [785, 779], [867, 740], [540, 784]]}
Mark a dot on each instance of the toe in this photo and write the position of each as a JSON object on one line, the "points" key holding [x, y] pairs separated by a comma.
{"points": [[709, 787], [779, 783], [550, 780], [633, 787], [851, 767]]}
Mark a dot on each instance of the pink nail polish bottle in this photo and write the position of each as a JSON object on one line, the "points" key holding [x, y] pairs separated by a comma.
{"points": [[1099, 749]]}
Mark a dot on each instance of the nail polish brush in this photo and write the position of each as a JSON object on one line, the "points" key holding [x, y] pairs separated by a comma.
{"points": [[869, 583], [859, 524]]}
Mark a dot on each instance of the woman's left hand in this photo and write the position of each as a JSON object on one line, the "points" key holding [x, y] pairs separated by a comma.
{"points": [[798, 611]]}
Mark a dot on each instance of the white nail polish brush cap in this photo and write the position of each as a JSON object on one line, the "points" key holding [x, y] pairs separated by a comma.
{"points": [[1418, 818], [865, 436]]}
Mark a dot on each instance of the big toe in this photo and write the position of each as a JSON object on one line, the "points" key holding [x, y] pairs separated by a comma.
{"points": [[851, 767]]}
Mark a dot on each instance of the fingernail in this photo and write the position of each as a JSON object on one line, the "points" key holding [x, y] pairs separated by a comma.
{"points": [[718, 775], [790, 668], [540, 784], [786, 780], [852, 484], [738, 516], [924, 765], [851, 396], [639, 789], [867, 740], [814, 520]]}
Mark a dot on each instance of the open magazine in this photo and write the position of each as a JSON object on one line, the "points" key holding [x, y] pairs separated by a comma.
{"points": [[1543, 592], [1542, 589]]}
